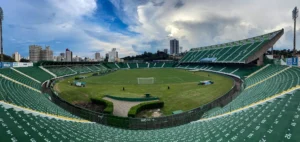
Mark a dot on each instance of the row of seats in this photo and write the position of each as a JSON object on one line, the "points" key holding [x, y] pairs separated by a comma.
{"points": [[235, 70], [68, 70], [122, 65], [267, 87], [276, 120], [21, 78], [264, 73], [36, 73], [235, 52], [61, 70], [133, 65], [94, 68], [101, 67], [81, 69], [139, 65], [111, 65], [19, 95]]}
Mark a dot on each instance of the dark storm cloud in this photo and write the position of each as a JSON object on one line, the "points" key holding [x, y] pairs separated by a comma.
{"points": [[212, 26], [179, 4]]}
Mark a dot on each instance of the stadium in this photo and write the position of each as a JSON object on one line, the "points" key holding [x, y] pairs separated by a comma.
{"points": [[225, 92], [263, 103]]}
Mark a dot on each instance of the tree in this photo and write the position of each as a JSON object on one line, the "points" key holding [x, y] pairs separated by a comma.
{"points": [[7, 58], [1, 42], [148, 56], [106, 59], [24, 60]]}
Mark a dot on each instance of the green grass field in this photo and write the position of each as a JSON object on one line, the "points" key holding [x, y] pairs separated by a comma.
{"points": [[184, 93]]}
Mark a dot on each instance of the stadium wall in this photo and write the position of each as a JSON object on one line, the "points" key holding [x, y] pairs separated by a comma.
{"points": [[53, 64], [15, 64]]}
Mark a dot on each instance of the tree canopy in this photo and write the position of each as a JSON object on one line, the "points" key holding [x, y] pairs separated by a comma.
{"points": [[148, 56]]}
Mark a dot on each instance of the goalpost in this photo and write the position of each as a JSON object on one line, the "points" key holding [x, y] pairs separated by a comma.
{"points": [[148, 80]]}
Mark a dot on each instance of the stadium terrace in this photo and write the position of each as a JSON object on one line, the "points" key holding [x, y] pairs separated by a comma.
{"points": [[262, 105]]}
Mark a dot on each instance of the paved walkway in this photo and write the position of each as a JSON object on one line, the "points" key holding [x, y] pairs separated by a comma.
{"points": [[121, 108]]}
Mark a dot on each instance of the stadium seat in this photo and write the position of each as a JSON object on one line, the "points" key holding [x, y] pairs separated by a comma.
{"points": [[80, 69], [276, 120], [132, 65], [123, 65], [234, 52], [159, 65], [255, 92], [111, 65], [61, 71], [151, 65], [143, 65], [169, 65], [93, 68], [21, 78], [36, 73], [22, 96]]}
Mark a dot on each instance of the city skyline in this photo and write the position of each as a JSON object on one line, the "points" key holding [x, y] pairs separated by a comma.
{"points": [[126, 25], [38, 53]]}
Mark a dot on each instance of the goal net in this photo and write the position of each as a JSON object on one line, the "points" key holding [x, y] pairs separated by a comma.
{"points": [[148, 80]]}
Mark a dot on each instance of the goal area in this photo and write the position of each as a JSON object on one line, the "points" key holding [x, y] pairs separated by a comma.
{"points": [[147, 80]]}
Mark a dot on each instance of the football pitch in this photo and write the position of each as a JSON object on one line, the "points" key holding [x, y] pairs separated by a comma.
{"points": [[184, 93]]}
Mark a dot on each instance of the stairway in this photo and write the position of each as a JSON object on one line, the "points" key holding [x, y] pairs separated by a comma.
{"points": [[41, 67], [117, 65]]}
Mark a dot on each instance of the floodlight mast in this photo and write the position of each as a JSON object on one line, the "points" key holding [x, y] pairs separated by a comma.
{"points": [[1, 39], [295, 16]]}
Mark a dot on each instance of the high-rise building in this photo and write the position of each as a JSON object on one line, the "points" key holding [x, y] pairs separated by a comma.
{"points": [[180, 49], [47, 54], [174, 46], [112, 55], [61, 57], [36, 53], [76, 59], [166, 51], [69, 55], [16, 56], [97, 56], [55, 58]]}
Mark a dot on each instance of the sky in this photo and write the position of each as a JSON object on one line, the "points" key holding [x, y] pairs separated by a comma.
{"points": [[136, 26]]}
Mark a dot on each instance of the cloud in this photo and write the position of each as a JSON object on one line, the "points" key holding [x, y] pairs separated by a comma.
{"points": [[135, 26], [179, 4], [157, 3], [61, 24], [200, 23]]}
